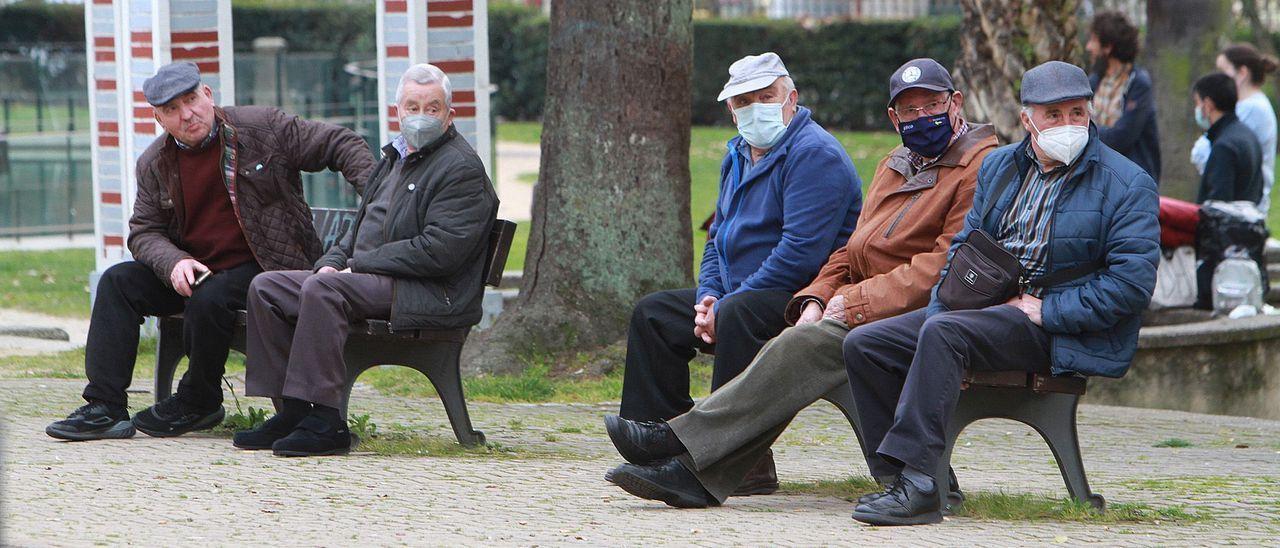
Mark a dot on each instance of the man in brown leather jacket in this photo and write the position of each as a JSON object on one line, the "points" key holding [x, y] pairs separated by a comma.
{"points": [[219, 200], [916, 204]]}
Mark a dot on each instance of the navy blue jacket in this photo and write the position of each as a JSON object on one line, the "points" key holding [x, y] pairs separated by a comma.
{"points": [[1135, 135], [1234, 169], [776, 226], [1106, 212]]}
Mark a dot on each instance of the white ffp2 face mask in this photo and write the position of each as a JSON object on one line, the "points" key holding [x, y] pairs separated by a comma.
{"points": [[1062, 143]]}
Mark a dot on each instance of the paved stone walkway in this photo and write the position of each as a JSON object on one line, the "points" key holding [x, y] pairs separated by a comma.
{"points": [[200, 490]]}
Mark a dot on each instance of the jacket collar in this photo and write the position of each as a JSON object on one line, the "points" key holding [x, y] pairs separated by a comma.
{"points": [[1216, 129], [960, 153]]}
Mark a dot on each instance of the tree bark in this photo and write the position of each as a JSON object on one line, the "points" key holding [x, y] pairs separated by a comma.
{"points": [[1183, 39], [611, 207], [1000, 41]]}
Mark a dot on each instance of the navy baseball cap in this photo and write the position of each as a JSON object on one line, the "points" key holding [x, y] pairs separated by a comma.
{"points": [[921, 73]]}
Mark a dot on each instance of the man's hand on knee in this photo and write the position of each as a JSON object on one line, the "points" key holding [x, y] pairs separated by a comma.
{"points": [[184, 275], [326, 270], [835, 309], [704, 320], [812, 313]]}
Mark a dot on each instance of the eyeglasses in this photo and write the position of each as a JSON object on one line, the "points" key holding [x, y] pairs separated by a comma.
{"points": [[935, 107]]}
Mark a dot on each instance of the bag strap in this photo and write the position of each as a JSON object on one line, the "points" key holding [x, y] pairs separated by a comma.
{"points": [[1000, 188], [1067, 275]]}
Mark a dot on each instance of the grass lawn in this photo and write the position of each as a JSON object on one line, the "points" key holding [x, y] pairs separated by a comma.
{"points": [[706, 150]]}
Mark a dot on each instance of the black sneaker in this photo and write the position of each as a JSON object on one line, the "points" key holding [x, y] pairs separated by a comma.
{"points": [[95, 420], [264, 436], [174, 417], [314, 437]]}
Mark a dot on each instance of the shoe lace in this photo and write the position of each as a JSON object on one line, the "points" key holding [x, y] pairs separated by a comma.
{"points": [[84, 410], [169, 407]]}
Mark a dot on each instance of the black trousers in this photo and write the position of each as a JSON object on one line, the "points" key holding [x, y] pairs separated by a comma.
{"points": [[660, 343], [906, 372], [129, 291]]}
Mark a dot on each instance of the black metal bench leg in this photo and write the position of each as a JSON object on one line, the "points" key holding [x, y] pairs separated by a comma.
{"points": [[962, 417], [168, 353], [1056, 423], [444, 375]]}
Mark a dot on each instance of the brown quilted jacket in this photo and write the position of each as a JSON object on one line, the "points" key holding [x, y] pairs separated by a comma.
{"points": [[893, 257], [264, 149]]}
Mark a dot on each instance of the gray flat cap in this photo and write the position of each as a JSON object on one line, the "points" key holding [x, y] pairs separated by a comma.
{"points": [[922, 73], [751, 73], [1055, 82], [170, 81]]}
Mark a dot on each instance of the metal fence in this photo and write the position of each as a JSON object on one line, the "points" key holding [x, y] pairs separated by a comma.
{"points": [[45, 175]]}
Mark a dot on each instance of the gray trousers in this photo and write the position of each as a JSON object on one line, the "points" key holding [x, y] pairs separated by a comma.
{"points": [[728, 432], [298, 326]]}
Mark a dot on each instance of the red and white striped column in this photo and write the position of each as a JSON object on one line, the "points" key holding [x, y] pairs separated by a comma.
{"points": [[130, 40], [450, 34]]}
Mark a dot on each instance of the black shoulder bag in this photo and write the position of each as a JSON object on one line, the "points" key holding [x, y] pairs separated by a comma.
{"points": [[983, 273]]}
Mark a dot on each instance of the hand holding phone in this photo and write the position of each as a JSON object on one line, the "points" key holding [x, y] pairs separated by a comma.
{"points": [[200, 279]]}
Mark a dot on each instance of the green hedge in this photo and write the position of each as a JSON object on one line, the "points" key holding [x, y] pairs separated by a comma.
{"points": [[841, 69]]}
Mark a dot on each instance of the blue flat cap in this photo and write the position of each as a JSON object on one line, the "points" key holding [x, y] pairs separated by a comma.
{"points": [[170, 81], [1055, 82], [751, 73]]}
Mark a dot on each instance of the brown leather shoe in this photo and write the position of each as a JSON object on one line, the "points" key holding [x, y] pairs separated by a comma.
{"points": [[761, 480]]}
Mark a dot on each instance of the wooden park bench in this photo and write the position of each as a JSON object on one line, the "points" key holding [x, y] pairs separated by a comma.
{"points": [[1044, 402], [434, 353]]}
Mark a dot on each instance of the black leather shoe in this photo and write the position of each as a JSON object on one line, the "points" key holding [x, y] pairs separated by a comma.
{"points": [[642, 442], [264, 436], [314, 437], [901, 504], [761, 480], [954, 497], [173, 417], [668, 481]]}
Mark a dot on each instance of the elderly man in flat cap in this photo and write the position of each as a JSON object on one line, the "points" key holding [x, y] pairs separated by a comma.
{"points": [[789, 197], [917, 202], [219, 200], [1080, 219]]}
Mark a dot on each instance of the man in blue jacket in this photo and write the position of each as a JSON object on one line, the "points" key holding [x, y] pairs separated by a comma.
{"points": [[789, 197], [1124, 107], [1071, 202]]}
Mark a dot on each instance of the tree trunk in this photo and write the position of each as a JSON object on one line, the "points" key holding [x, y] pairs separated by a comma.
{"points": [[1001, 40], [1180, 48], [611, 207]]}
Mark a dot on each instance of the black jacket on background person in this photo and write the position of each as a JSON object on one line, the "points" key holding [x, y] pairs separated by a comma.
{"points": [[436, 232], [1234, 169]]}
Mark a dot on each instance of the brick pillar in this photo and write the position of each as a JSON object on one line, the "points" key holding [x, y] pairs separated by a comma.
{"points": [[450, 34], [130, 40]]}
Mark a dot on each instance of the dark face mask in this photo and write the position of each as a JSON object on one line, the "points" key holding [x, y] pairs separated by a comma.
{"points": [[927, 136]]}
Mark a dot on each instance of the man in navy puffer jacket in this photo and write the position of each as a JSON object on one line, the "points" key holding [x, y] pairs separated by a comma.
{"points": [[1072, 201]]}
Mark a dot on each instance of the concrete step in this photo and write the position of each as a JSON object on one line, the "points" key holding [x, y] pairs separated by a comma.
{"points": [[1273, 251], [511, 278]]}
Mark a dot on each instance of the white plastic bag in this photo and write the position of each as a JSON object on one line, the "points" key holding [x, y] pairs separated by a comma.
{"points": [[1175, 279], [1237, 284]]}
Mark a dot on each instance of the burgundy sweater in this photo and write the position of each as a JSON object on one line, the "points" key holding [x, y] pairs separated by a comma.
{"points": [[210, 230]]}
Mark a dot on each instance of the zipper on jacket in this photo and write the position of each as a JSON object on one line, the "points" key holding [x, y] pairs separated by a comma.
{"points": [[903, 213]]}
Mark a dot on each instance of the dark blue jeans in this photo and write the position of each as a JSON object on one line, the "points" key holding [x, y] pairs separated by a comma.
{"points": [[906, 372]]}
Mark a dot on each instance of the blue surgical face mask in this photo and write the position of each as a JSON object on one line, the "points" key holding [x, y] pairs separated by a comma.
{"points": [[928, 136], [760, 124], [1201, 119]]}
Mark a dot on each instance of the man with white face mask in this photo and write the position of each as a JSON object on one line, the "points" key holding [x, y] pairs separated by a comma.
{"points": [[414, 256], [1081, 219], [789, 197]]}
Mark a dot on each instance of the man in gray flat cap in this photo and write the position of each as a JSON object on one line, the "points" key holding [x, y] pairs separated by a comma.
{"points": [[789, 197], [219, 200], [1081, 220]]}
